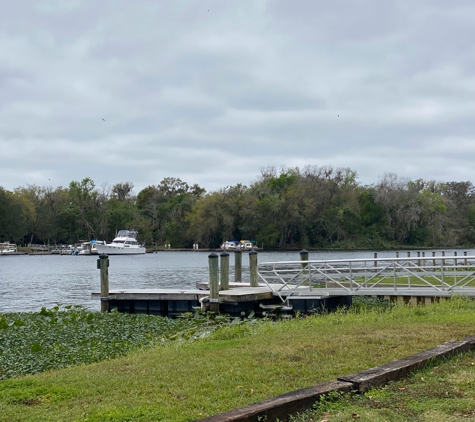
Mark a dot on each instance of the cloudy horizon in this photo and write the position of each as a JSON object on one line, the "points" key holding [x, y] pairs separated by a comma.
{"points": [[212, 92]]}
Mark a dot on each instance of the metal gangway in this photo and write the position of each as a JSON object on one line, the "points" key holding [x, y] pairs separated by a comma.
{"points": [[411, 277]]}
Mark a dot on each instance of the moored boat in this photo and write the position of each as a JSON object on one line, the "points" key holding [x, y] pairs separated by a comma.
{"points": [[125, 243], [247, 245], [230, 245], [7, 248]]}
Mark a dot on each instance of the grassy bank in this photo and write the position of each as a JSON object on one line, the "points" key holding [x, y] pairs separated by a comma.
{"points": [[442, 392], [218, 367]]}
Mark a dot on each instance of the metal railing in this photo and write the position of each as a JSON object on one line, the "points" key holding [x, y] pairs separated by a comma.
{"points": [[439, 276], [38, 247]]}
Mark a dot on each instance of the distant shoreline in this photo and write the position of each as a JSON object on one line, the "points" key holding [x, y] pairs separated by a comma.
{"points": [[218, 250]]}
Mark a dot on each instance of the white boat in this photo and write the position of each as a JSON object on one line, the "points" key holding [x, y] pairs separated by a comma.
{"points": [[89, 248], [94, 244], [247, 245], [230, 245], [7, 248], [84, 248], [125, 243]]}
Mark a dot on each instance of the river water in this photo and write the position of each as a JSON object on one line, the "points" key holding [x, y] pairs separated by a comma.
{"points": [[29, 282]]}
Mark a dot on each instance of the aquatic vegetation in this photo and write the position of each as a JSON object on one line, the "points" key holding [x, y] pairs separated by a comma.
{"points": [[72, 335]]}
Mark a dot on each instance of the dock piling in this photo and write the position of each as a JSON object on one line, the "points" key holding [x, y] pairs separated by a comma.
{"points": [[213, 282], [304, 257], [224, 258], [253, 268], [103, 265], [238, 266]]}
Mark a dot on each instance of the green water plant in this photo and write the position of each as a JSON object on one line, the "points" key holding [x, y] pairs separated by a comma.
{"points": [[71, 335]]}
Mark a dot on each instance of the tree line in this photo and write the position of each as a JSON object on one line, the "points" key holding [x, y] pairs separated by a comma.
{"points": [[312, 207]]}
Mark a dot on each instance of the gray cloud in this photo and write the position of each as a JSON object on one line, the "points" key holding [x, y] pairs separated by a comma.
{"points": [[213, 97]]}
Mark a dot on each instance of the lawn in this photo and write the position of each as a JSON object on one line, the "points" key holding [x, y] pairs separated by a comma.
{"points": [[207, 367]]}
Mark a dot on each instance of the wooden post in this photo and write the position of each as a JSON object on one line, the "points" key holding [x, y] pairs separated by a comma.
{"points": [[465, 259], [455, 259], [375, 262], [443, 261], [213, 282], [433, 260], [304, 257], [224, 257], [253, 268], [238, 266], [423, 261], [418, 261], [103, 265]]}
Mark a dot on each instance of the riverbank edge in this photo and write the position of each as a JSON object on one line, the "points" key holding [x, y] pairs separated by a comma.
{"points": [[210, 250], [302, 400]]}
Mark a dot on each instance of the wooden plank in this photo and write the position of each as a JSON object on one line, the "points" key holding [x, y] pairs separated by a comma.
{"points": [[280, 407], [381, 375]]}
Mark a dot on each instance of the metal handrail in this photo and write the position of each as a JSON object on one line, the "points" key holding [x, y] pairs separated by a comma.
{"points": [[443, 274]]}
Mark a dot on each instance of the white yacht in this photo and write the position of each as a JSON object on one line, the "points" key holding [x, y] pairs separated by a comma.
{"points": [[125, 243]]}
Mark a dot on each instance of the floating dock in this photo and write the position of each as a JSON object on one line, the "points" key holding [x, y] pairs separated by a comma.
{"points": [[239, 300], [291, 287]]}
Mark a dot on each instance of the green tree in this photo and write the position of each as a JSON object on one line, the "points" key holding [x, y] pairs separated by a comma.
{"points": [[14, 212]]}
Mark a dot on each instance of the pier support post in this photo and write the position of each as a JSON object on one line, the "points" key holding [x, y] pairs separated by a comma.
{"points": [[304, 257], [253, 268], [224, 257], [213, 282], [103, 265], [237, 266]]}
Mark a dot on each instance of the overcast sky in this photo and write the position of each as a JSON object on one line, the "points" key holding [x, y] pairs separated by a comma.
{"points": [[214, 91]]}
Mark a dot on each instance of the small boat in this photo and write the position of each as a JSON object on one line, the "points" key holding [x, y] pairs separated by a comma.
{"points": [[89, 248], [94, 244], [247, 245], [7, 248], [243, 245], [84, 249], [230, 245], [125, 243]]}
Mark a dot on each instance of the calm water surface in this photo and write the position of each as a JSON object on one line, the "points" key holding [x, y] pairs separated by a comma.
{"points": [[28, 282]]}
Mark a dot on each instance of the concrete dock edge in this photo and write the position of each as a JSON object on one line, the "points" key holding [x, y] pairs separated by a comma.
{"points": [[280, 407]]}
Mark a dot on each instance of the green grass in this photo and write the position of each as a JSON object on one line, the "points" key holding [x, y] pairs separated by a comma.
{"points": [[225, 366], [442, 392]]}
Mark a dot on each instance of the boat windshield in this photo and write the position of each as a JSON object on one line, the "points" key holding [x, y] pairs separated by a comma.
{"points": [[127, 233]]}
